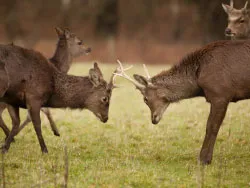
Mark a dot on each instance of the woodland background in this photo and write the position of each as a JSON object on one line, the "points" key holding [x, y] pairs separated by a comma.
{"points": [[152, 31]]}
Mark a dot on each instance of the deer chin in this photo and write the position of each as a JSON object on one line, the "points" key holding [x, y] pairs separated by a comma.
{"points": [[101, 118], [87, 51], [157, 115], [230, 35]]}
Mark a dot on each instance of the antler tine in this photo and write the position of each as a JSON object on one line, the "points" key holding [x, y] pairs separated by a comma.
{"points": [[245, 7], [124, 75], [232, 3], [115, 74], [146, 71]]}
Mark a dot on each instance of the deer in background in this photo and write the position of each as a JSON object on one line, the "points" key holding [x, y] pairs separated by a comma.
{"points": [[30, 81], [69, 46], [238, 21], [209, 72]]}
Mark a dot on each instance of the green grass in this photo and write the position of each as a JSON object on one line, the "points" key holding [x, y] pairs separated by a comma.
{"points": [[129, 151]]}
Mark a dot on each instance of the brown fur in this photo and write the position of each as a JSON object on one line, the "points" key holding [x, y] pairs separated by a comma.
{"points": [[35, 83], [69, 46], [220, 72], [238, 22]]}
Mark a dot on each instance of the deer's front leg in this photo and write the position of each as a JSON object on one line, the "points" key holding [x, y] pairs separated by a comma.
{"points": [[4, 127], [217, 113], [34, 111], [46, 111], [14, 114], [2, 123]]}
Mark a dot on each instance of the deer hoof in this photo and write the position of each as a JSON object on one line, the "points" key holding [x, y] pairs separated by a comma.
{"points": [[56, 133], [45, 150], [4, 149], [205, 161]]}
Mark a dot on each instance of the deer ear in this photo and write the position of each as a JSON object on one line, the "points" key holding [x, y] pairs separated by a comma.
{"points": [[142, 80], [98, 70], [67, 33], [95, 75], [59, 31], [226, 8]]}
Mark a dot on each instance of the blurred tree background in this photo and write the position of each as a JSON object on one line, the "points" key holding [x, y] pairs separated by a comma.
{"points": [[133, 30]]}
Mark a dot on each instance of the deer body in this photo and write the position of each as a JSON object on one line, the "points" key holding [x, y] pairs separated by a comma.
{"points": [[220, 72], [68, 47], [33, 83]]}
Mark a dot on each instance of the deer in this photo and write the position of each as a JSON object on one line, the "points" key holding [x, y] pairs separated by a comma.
{"points": [[210, 72], [30, 81], [238, 21], [69, 46]]}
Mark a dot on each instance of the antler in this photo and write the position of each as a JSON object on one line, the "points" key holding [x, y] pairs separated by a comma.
{"points": [[245, 7], [117, 72], [146, 71], [122, 74], [232, 3]]}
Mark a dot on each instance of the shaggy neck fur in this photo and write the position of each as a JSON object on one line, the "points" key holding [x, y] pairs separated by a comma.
{"points": [[180, 82], [70, 91], [62, 58]]}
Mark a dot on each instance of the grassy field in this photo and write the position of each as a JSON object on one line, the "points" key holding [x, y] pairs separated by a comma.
{"points": [[128, 151]]}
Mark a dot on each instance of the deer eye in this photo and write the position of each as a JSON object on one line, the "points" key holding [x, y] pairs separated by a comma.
{"points": [[146, 100], [80, 43], [242, 21], [105, 99]]}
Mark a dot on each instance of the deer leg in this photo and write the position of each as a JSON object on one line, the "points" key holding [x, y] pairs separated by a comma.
{"points": [[46, 111], [26, 122], [217, 113], [34, 111], [14, 114], [2, 124], [4, 127]]}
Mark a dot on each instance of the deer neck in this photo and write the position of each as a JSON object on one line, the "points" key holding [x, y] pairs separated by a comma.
{"points": [[62, 58], [178, 84], [69, 91]]}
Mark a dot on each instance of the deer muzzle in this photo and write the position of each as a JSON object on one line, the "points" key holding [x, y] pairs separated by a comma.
{"points": [[157, 114], [103, 119]]}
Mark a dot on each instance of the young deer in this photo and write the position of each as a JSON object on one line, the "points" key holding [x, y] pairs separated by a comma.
{"points": [[209, 72], [33, 83], [69, 46], [238, 21]]}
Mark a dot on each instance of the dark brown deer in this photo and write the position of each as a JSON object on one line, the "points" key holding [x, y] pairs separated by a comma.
{"points": [[238, 21], [69, 46], [220, 72], [33, 83]]}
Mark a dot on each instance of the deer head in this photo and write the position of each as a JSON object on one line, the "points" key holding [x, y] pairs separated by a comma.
{"points": [[75, 45], [99, 98], [154, 95], [238, 21]]}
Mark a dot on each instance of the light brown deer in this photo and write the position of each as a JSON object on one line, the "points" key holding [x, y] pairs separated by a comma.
{"points": [[220, 72], [69, 46], [238, 21]]}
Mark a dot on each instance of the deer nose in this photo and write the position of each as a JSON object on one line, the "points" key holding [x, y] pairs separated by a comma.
{"points": [[228, 31], [88, 50], [155, 119], [105, 119]]}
